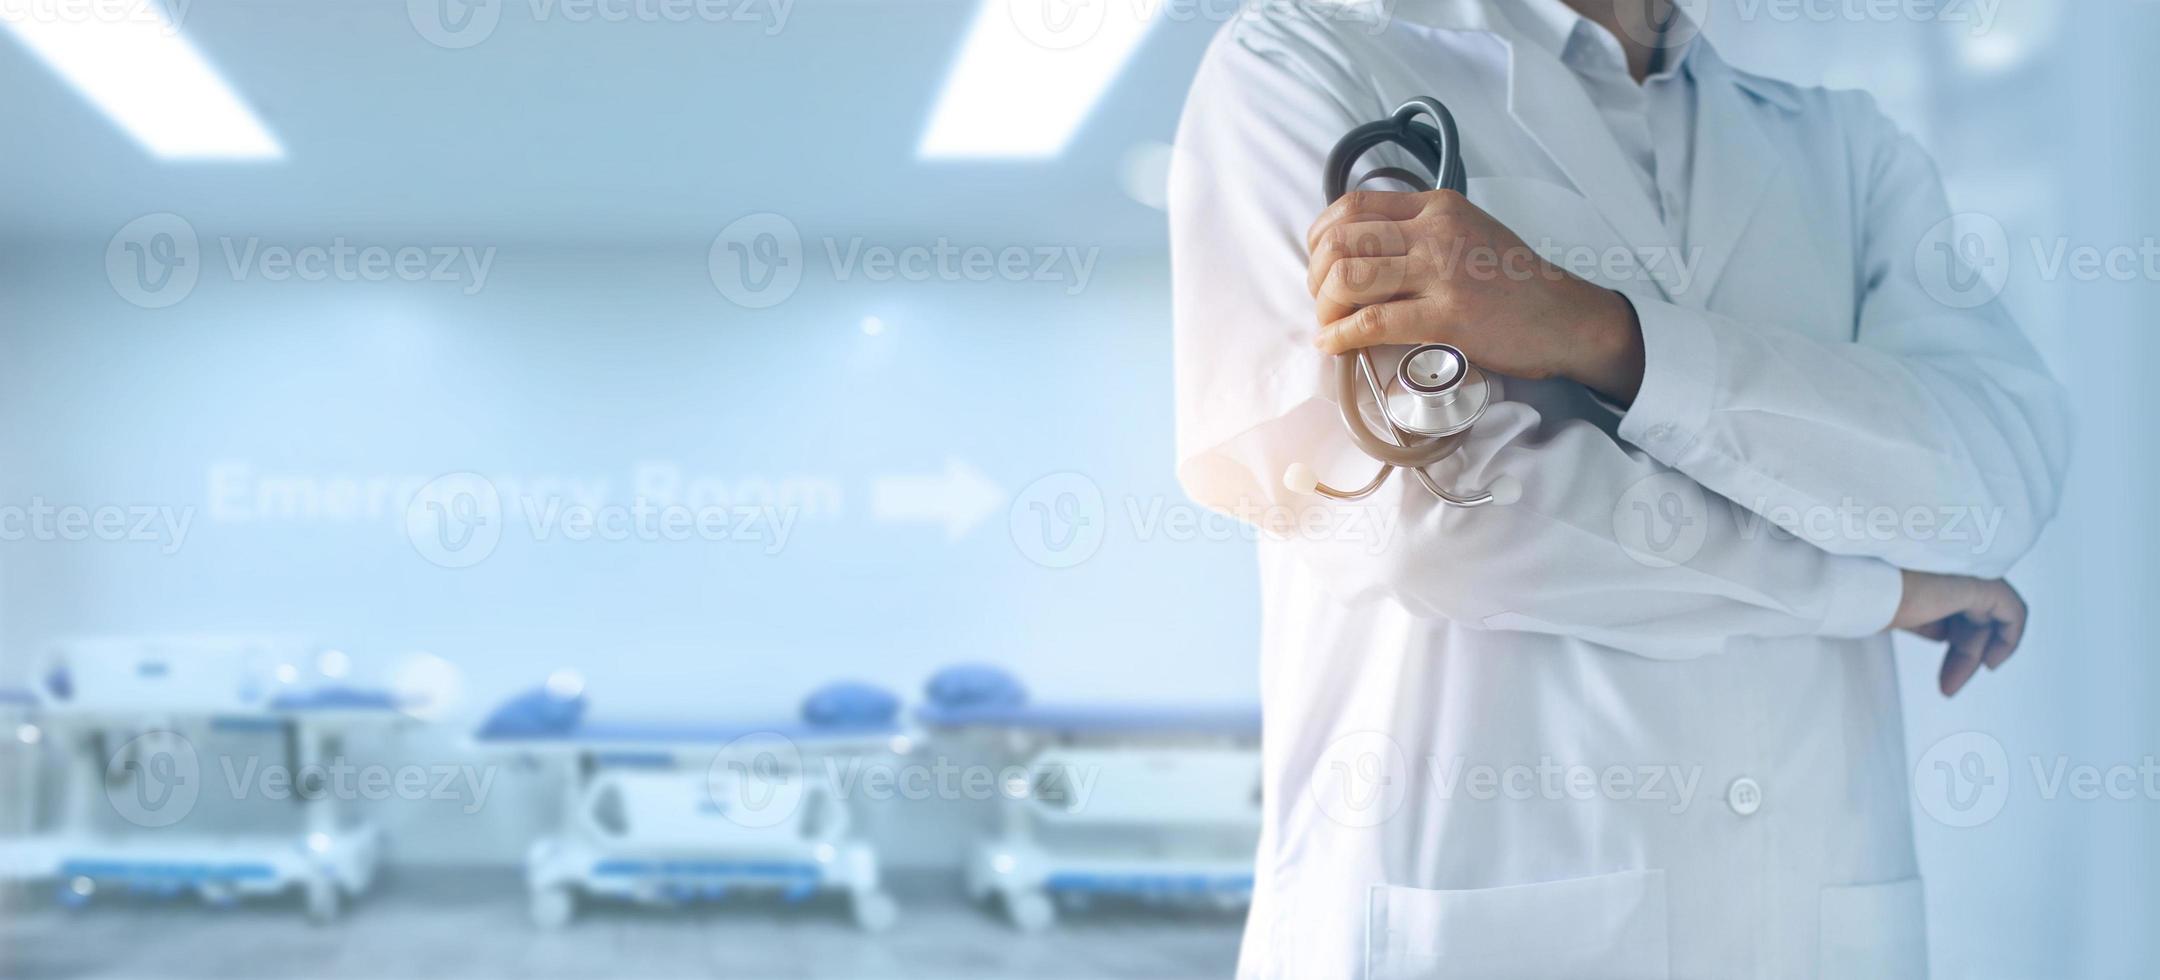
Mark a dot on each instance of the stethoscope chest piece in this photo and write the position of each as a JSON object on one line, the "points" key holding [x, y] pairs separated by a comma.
{"points": [[1437, 392]]}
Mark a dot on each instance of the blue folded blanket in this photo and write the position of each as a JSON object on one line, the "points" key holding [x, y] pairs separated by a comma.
{"points": [[537, 712], [540, 713], [850, 704], [965, 686]]}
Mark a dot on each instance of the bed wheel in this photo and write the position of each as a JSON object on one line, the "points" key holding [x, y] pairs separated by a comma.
{"points": [[1030, 911], [324, 900], [553, 907], [875, 911]]}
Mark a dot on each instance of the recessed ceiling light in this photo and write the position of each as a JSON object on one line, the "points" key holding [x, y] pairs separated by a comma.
{"points": [[1029, 73], [131, 62]]}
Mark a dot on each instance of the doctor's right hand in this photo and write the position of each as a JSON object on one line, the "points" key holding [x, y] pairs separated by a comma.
{"points": [[1981, 619]]}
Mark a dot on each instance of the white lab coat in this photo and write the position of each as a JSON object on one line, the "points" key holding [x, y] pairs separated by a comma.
{"points": [[1643, 722]]}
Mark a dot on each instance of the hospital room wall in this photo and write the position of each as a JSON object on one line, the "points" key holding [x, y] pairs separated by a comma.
{"points": [[894, 453]]}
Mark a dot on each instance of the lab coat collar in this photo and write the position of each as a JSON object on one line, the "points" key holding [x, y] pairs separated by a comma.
{"points": [[1733, 157], [1549, 23], [1547, 99], [1554, 26], [1734, 161]]}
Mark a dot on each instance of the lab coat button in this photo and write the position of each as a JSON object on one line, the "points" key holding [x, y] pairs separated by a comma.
{"points": [[1661, 432], [1744, 796]]}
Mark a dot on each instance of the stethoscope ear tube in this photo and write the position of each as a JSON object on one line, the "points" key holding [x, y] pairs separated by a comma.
{"points": [[1439, 151]]}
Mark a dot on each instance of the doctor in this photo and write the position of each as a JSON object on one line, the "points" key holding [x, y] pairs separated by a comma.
{"points": [[1644, 721]]}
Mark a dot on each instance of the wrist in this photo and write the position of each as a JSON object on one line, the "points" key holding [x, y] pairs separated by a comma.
{"points": [[1609, 357], [1908, 596]]}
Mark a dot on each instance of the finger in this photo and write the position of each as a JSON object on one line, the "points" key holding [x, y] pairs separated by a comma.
{"points": [[1396, 322], [1354, 239], [1937, 630], [1354, 283], [1365, 206], [1962, 660], [2009, 630]]}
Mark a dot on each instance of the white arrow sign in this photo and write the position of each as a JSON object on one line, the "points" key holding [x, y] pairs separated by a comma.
{"points": [[959, 498]]}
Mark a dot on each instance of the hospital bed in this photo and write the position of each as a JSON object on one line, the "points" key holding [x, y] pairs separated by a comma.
{"points": [[21, 739], [127, 713], [671, 813], [1155, 803]]}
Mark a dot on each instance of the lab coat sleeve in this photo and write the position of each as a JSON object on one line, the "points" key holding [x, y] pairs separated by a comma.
{"points": [[1244, 186], [1934, 439]]}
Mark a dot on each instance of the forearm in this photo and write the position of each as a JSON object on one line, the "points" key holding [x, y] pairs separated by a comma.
{"points": [[1605, 544]]}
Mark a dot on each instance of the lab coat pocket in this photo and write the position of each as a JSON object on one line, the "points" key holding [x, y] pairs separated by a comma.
{"points": [[1608, 926], [1874, 931]]}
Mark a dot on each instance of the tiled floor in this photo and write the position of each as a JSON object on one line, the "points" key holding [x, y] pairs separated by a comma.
{"points": [[472, 924]]}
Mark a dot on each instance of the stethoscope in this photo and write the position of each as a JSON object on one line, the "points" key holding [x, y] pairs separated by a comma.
{"points": [[1437, 393]]}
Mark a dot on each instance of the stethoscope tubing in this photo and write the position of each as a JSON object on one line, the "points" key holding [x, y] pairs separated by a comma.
{"points": [[1439, 151]]}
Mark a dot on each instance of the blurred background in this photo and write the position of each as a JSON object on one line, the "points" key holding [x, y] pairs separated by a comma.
{"points": [[677, 360]]}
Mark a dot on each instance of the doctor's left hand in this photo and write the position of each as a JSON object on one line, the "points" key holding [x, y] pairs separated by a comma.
{"points": [[1431, 267]]}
